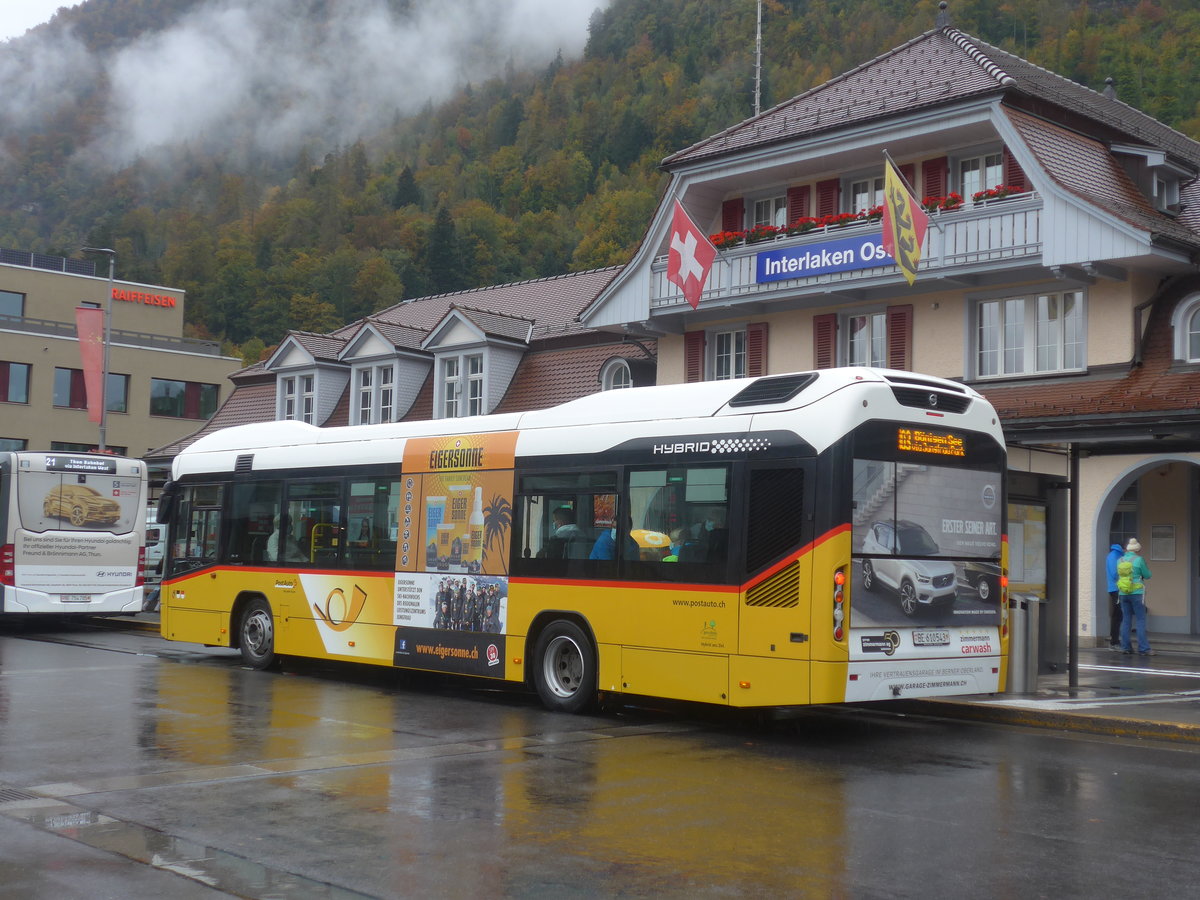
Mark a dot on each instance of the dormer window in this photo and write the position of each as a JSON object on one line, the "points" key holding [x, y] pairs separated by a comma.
{"points": [[1166, 193], [375, 387], [615, 375], [298, 397], [462, 386]]}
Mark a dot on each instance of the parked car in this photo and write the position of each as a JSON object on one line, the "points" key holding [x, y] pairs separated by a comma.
{"points": [[983, 577], [80, 504], [918, 582]]}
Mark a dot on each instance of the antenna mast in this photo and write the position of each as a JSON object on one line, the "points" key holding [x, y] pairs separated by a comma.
{"points": [[758, 62]]}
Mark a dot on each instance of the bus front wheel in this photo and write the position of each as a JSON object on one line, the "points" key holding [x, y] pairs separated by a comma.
{"points": [[565, 668], [256, 635]]}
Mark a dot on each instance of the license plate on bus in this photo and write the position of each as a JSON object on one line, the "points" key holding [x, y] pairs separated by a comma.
{"points": [[931, 638], [75, 598]]}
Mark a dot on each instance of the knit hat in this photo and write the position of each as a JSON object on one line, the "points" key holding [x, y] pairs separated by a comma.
{"points": [[1133, 546]]}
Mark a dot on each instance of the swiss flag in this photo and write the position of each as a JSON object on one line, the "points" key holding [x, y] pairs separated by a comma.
{"points": [[690, 256]]}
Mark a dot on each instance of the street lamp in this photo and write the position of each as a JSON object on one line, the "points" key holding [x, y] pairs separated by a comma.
{"points": [[112, 264]]}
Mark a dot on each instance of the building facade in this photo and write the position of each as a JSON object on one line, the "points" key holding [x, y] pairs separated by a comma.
{"points": [[160, 384], [1058, 277], [504, 348]]}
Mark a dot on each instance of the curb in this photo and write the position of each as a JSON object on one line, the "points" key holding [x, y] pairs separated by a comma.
{"points": [[1146, 729]]}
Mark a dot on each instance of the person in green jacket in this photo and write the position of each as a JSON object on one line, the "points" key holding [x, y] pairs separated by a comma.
{"points": [[1132, 573]]}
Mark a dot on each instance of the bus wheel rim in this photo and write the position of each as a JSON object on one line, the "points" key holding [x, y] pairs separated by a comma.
{"points": [[258, 631], [563, 667]]}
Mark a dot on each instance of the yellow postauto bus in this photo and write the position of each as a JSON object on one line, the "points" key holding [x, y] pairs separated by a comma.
{"points": [[814, 537]]}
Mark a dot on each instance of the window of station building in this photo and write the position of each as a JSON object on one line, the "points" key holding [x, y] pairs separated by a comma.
{"points": [[978, 173], [75, 447], [729, 354], [866, 193], [616, 376], [12, 304], [376, 392], [183, 399], [1030, 335], [13, 443], [866, 340], [298, 398], [14, 382], [462, 386], [771, 211]]}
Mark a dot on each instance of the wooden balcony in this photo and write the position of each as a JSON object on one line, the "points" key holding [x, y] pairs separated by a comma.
{"points": [[963, 244]]}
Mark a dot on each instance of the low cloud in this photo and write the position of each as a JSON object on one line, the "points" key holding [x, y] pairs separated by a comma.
{"points": [[262, 76]]}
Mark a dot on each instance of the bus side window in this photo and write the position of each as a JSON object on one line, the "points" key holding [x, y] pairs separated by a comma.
{"points": [[561, 524], [254, 525], [680, 523]]}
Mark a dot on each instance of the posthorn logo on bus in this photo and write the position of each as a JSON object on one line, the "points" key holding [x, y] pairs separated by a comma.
{"points": [[732, 444]]}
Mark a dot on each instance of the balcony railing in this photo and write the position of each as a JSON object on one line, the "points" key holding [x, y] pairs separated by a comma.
{"points": [[958, 241], [27, 325]]}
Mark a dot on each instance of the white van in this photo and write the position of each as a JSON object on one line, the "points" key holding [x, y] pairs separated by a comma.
{"points": [[156, 546]]}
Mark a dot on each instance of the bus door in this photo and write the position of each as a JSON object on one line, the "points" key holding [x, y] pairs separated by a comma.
{"points": [[777, 613]]}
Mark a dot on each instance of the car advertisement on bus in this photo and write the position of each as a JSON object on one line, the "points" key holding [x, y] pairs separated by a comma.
{"points": [[451, 590], [927, 541]]}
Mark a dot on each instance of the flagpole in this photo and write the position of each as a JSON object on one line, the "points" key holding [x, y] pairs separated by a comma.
{"points": [[112, 262]]}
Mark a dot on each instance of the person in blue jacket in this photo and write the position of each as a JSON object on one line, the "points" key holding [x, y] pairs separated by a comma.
{"points": [[1133, 598], [1115, 552]]}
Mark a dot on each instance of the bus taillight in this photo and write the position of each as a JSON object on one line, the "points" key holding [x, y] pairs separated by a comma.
{"points": [[141, 569], [839, 600], [8, 568], [1003, 604]]}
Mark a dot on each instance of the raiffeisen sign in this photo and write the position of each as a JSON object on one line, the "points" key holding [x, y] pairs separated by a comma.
{"points": [[143, 298]]}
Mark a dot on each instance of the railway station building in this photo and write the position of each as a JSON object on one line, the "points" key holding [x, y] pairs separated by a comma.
{"points": [[1058, 277]]}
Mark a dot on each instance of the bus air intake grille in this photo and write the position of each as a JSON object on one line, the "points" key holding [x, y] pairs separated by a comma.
{"points": [[244, 463], [780, 590], [778, 389], [931, 399]]}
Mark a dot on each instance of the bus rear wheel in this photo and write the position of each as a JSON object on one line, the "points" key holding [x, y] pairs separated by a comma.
{"points": [[564, 671], [256, 635]]}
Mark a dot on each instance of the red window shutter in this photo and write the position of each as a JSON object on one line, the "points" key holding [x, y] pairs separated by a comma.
{"points": [[756, 349], [733, 215], [825, 341], [797, 202], [78, 398], [4, 368], [829, 196], [933, 176], [693, 355], [1014, 175], [899, 336], [191, 400], [909, 171]]}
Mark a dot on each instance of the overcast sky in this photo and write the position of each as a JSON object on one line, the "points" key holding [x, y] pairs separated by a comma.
{"points": [[21, 15]]}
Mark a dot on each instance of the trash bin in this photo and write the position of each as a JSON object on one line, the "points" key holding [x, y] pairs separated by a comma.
{"points": [[1023, 616]]}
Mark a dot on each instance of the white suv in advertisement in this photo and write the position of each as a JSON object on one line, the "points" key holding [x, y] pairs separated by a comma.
{"points": [[918, 582]]}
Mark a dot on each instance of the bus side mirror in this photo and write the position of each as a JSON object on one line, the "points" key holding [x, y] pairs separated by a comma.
{"points": [[166, 503]]}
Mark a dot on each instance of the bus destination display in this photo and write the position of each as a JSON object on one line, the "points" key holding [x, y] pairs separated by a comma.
{"points": [[914, 440]]}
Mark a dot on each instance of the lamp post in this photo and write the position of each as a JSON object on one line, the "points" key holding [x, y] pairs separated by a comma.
{"points": [[112, 264]]}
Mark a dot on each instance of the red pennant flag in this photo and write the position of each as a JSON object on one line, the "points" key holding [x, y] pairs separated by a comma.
{"points": [[904, 223], [690, 256], [89, 325]]}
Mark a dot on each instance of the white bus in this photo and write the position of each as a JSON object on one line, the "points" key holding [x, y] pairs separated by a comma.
{"points": [[74, 533]]}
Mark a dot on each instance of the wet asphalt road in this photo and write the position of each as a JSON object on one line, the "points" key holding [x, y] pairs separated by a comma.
{"points": [[134, 768]]}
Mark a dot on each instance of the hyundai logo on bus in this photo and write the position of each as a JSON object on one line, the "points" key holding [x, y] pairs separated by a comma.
{"points": [[735, 444]]}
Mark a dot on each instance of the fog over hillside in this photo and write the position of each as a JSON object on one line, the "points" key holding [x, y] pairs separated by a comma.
{"points": [[272, 75]]}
